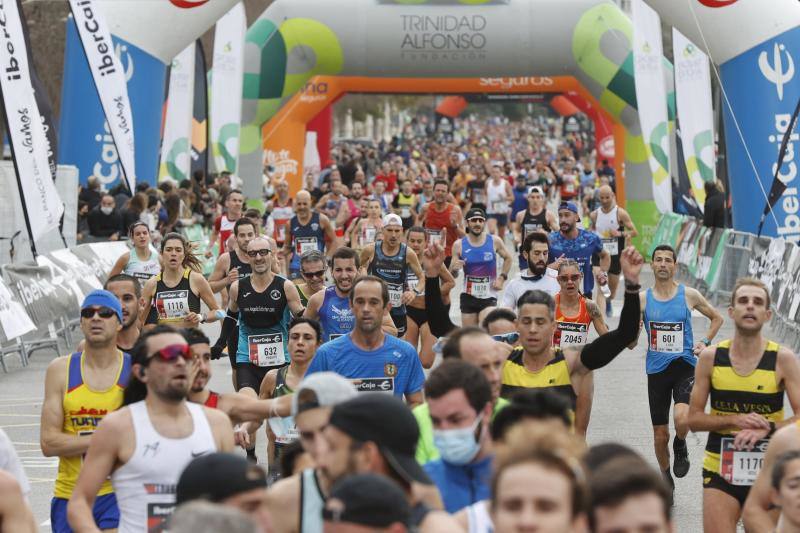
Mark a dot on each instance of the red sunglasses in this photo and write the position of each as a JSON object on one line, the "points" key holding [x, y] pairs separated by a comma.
{"points": [[172, 352]]}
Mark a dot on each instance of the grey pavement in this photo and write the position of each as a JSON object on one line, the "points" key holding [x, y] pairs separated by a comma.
{"points": [[620, 413]]}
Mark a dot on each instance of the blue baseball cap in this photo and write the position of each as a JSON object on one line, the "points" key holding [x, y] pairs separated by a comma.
{"points": [[569, 206], [102, 298]]}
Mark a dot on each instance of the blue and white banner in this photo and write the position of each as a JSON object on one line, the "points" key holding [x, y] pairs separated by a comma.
{"points": [[84, 137], [109, 80], [763, 88]]}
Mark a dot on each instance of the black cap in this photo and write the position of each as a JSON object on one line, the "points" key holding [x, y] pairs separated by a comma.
{"points": [[369, 500], [476, 212], [386, 421], [218, 476]]}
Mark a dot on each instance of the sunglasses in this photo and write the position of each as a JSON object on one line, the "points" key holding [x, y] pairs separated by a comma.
{"points": [[571, 277], [104, 312], [172, 352], [263, 252], [508, 338], [317, 274]]}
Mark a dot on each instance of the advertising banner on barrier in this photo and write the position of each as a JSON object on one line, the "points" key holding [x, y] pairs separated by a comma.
{"points": [[14, 321], [765, 260], [44, 294], [651, 99], [176, 160], [693, 98], [227, 78], [789, 294], [109, 81], [40, 200], [84, 136], [769, 73]]}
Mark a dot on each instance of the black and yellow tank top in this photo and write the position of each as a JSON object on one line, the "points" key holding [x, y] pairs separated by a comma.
{"points": [[734, 394], [171, 304], [554, 376]]}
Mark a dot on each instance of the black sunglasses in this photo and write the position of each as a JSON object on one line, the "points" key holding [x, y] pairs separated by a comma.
{"points": [[104, 312], [317, 274], [263, 252]]}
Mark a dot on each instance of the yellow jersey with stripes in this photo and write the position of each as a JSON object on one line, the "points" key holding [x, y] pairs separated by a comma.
{"points": [[734, 394], [84, 408], [553, 376]]}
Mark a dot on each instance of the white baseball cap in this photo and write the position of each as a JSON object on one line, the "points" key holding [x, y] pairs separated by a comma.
{"points": [[392, 218]]}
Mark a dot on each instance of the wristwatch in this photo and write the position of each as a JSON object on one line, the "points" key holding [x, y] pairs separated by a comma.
{"points": [[706, 341], [504, 275]]}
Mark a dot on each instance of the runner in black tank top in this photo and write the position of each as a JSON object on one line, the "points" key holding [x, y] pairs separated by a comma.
{"points": [[392, 269], [244, 268], [170, 304]]}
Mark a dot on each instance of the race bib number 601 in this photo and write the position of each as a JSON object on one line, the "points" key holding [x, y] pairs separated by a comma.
{"points": [[666, 337]]}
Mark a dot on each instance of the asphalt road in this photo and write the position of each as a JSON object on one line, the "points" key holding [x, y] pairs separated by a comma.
{"points": [[620, 413]]}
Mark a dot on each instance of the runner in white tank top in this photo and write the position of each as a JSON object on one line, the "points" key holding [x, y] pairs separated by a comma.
{"points": [[145, 485], [498, 198]]}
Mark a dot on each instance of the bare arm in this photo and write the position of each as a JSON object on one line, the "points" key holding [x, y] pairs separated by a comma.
{"points": [[627, 223], [53, 440], [283, 502], [387, 325], [788, 370], [446, 283], [330, 234], [293, 298], [698, 302], [15, 514], [366, 255], [148, 291], [597, 318], [314, 303], [552, 221], [414, 399], [605, 260], [98, 464], [119, 266], [221, 428], [412, 260], [220, 277], [205, 294]]}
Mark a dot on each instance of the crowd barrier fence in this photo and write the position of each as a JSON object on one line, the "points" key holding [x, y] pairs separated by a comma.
{"points": [[712, 259]]}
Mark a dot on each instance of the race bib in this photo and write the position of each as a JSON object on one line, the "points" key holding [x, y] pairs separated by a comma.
{"points": [[280, 230], [571, 334], [374, 385], [368, 235], [334, 336], [478, 287], [499, 206], [530, 228], [611, 246], [266, 350], [306, 244], [478, 197], [172, 305], [666, 337], [569, 187], [158, 516], [395, 295], [740, 467], [411, 281], [405, 212]]}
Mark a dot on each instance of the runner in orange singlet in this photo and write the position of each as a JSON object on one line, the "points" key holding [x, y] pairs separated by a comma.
{"points": [[442, 219]]}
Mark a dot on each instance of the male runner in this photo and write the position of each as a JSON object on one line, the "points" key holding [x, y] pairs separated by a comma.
{"points": [[312, 269], [616, 229], [234, 264], [535, 249], [376, 361], [223, 225], [366, 230], [79, 390], [281, 214], [442, 219], [308, 230], [263, 305], [498, 202], [746, 379], [145, 446], [667, 316], [331, 307], [129, 293], [536, 218], [576, 243], [296, 502], [239, 407], [390, 259], [537, 364], [477, 253]]}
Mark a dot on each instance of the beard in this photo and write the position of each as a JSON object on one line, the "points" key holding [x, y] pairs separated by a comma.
{"points": [[538, 268]]}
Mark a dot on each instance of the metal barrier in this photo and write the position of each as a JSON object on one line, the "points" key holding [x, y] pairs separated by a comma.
{"points": [[736, 260]]}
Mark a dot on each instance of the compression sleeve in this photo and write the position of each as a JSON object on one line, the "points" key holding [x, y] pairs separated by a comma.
{"points": [[438, 313], [605, 348]]}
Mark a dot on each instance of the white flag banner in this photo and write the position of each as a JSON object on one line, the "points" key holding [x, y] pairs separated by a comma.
{"points": [[227, 76], [109, 79], [40, 200], [693, 98], [13, 318], [176, 158], [651, 99]]}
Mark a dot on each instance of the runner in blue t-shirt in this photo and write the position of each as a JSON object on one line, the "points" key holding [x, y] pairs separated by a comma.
{"points": [[576, 243], [375, 361]]}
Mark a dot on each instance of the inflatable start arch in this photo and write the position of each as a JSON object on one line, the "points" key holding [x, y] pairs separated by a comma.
{"points": [[302, 54]]}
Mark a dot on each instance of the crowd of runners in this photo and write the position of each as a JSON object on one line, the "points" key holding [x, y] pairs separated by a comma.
{"points": [[380, 412]]}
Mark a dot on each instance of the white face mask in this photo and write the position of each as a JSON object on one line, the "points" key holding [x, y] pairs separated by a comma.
{"points": [[106, 210], [458, 446]]}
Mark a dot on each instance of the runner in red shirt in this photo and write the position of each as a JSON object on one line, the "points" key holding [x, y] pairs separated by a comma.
{"points": [[442, 219], [223, 225]]}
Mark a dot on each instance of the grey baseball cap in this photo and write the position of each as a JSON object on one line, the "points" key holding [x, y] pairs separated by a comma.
{"points": [[322, 389]]}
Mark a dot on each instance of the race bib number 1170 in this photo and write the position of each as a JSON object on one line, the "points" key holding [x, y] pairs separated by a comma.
{"points": [[741, 467]]}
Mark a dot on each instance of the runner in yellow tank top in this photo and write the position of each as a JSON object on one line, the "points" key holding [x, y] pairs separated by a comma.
{"points": [[745, 379], [80, 390]]}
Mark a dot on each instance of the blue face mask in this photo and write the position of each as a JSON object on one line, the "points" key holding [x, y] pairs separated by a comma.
{"points": [[457, 446]]}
